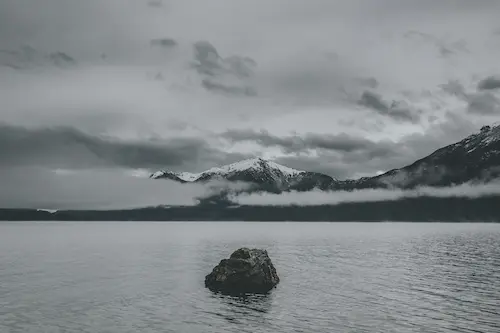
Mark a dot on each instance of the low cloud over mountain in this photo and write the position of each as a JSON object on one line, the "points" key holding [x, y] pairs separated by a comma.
{"points": [[317, 198]]}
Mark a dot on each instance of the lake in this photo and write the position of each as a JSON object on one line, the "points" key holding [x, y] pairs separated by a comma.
{"points": [[335, 277]]}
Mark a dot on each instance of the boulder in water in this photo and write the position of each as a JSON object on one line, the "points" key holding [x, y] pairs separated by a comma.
{"points": [[246, 271]]}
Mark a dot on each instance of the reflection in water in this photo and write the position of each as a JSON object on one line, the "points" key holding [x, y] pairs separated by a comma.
{"points": [[243, 310]]}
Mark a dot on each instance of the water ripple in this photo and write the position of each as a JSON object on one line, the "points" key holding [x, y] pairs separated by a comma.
{"points": [[148, 277]]}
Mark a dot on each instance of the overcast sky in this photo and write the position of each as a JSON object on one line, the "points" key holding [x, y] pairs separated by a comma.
{"points": [[348, 88]]}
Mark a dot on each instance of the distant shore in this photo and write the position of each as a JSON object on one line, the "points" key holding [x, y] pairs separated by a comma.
{"points": [[421, 209]]}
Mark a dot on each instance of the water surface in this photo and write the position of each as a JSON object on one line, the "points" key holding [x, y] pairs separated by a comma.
{"points": [[335, 277]]}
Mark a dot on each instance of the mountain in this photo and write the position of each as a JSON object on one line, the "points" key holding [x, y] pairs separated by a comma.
{"points": [[266, 175], [475, 159]]}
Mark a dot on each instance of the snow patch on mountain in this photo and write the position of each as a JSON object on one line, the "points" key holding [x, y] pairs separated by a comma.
{"points": [[475, 159], [187, 176], [256, 164], [252, 165], [184, 176]]}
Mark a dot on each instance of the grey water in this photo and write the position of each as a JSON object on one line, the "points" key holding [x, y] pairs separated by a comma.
{"points": [[335, 277]]}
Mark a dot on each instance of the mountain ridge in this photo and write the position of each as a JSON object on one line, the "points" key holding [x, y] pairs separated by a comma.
{"points": [[269, 175], [474, 159], [471, 159]]}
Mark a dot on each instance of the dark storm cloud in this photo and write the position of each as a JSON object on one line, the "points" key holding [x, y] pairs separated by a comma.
{"points": [[353, 164], [484, 103], [360, 163], [489, 83], [306, 57], [208, 61], [206, 57], [375, 102], [296, 143], [227, 89], [65, 147], [340, 156], [163, 42], [223, 75], [343, 156], [454, 87]]}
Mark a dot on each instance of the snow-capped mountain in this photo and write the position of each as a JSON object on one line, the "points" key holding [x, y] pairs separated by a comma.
{"points": [[266, 174], [475, 159]]}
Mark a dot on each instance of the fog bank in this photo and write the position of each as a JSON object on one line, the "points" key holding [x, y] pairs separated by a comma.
{"points": [[314, 198], [39, 188]]}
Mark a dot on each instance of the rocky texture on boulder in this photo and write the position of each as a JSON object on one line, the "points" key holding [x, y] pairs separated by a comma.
{"points": [[246, 271]]}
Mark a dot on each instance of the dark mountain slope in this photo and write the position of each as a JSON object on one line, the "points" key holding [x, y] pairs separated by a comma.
{"points": [[475, 159]]}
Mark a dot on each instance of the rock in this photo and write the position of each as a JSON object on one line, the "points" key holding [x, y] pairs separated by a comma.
{"points": [[246, 271]]}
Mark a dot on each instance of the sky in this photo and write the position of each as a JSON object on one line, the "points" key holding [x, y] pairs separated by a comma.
{"points": [[347, 88]]}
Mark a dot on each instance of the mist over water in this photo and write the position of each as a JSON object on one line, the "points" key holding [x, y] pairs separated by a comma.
{"points": [[337, 277]]}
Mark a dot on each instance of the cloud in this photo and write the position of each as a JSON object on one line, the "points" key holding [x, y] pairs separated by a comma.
{"points": [[347, 156], [484, 103], [304, 65], [65, 147], [381, 156], [163, 42], [223, 75], [454, 87], [207, 58], [374, 101], [489, 83], [316, 198], [241, 66], [209, 62], [35, 187], [395, 110], [231, 90], [298, 143], [68, 147]]}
